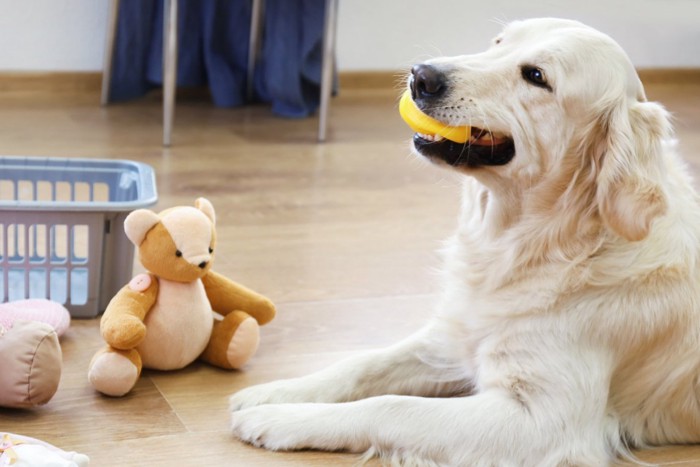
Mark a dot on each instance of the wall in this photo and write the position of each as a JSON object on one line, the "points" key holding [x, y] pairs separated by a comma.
{"points": [[52, 35], [655, 33], [63, 35]]}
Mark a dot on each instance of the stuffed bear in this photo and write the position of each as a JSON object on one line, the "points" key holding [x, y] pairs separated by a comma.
{"points": [[164, 320]]}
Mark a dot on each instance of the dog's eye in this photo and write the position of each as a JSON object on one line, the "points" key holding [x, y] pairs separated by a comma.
{"points": [[178, 253], [211, 250], [535, 76]]}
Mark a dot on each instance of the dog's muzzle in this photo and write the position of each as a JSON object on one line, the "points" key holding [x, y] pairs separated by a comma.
{"points": [[457, 146]]}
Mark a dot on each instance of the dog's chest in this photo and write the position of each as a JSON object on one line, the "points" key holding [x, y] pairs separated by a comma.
{"points": [[178, 327], [492, 328]]}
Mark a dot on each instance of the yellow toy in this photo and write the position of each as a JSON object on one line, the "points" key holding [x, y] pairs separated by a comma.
{"points": [[163, 320], [422, 123]]}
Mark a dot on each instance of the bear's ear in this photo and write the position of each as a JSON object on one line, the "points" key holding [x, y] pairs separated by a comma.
{"points": [[138, 223], [206, 207]]}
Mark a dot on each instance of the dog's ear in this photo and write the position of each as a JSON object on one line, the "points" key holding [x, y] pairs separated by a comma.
{"points": [[629, 193]]}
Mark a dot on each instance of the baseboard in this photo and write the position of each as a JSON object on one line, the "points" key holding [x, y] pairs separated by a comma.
{"points": [[669, 75], [91, 82], [372, 79], [50, 82]]}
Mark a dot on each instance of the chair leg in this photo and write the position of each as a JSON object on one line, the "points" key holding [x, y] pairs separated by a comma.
{"points": [[328, 65], [109, 50], [256, 22], [169, 68]]}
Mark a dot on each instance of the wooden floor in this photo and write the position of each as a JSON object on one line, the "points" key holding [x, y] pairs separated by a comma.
{"points": [[342, 236]]}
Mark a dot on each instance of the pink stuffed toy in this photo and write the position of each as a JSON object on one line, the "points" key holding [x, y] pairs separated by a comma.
{"points": [[30, 355], [23, 451]]}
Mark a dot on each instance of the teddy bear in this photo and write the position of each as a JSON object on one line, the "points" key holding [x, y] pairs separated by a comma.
{"points": [[171, 315], [30, 352]]}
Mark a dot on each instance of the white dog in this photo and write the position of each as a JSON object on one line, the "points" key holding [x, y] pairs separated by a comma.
{"points": [[569, 328]]}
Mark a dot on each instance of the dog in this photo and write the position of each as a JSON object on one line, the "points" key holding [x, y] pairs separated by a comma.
{"points": [[568, 331]]}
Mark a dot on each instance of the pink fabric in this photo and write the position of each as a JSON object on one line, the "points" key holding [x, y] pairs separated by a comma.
{"points": [[140, 283], [35, 309]]}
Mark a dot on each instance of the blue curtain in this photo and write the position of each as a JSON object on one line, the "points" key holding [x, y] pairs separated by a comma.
{"points": [[213, 38]]}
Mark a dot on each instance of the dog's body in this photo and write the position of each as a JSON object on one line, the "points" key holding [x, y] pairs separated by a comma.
{"points": [[569, 326]]}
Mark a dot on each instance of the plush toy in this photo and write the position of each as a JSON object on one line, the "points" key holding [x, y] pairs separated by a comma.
{"points": [[164, 320], [23, 451], [30, 354]]}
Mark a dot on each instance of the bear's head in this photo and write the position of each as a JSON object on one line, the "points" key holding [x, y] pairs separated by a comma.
{"points": [[176, 244]]}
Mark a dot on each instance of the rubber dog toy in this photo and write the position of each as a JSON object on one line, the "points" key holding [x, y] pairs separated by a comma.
{"points": [[422, 123]]}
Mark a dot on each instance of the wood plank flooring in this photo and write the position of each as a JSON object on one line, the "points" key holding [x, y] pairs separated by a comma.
{"points": [[343, 236]]}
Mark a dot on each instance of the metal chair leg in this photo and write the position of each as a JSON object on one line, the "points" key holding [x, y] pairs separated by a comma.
{"points": [[109, 50], [256, 22], [169, 68], [329, 33]]}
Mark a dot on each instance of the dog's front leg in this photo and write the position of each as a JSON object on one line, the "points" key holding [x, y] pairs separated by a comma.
{"points": [[382, 422], [482, 430], [414, 366], [553, 414]]}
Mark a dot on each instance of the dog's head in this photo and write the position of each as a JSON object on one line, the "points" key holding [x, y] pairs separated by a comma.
{"points": [[551, 103]]}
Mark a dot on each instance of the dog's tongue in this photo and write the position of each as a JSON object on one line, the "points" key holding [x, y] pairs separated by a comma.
{"points": [[422, 123]]}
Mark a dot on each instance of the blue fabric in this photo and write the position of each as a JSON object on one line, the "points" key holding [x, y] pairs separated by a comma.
{"points": [[213, 38]]}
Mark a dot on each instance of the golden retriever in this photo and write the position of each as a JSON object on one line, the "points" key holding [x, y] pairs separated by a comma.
{"points": [[569, 326]]}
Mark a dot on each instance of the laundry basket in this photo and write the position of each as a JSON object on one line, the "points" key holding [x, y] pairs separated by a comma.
{"points": [[61, 228]]}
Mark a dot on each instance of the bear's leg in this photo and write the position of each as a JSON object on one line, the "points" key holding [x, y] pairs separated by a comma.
{"points": [[115, 372], [233, 341]]}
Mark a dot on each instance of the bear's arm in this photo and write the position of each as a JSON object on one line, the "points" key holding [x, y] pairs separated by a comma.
{"points": [[226, 296], [122, 323]]}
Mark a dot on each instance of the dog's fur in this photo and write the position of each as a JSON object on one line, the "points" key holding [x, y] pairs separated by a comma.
{"points": [[569, 326]]}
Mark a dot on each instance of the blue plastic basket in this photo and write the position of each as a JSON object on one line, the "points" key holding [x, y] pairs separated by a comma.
{"points": [[61, 228]]}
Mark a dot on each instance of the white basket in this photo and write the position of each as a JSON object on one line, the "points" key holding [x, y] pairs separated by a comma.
{"points": [[61, 228]]}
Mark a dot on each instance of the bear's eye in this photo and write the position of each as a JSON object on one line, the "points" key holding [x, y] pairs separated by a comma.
{"points": [[178, 253], [211, 250]]}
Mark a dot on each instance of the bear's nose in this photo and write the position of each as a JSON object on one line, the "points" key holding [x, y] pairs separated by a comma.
{"points": [[201, 261]]}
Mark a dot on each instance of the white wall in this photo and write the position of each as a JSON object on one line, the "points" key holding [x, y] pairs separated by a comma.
{"points": [[46, 35], [393, 34]]}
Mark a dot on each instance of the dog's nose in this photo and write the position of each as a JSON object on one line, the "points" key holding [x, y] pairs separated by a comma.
{"points": [[203, 264], [427, 82]]}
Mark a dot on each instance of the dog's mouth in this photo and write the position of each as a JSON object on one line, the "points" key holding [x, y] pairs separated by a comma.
{"points": [[482, 149], [457, 146]]}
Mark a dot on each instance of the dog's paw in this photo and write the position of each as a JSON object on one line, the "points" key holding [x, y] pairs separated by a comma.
{"points": [[273, 427], [277, 392], [255, 395]]}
